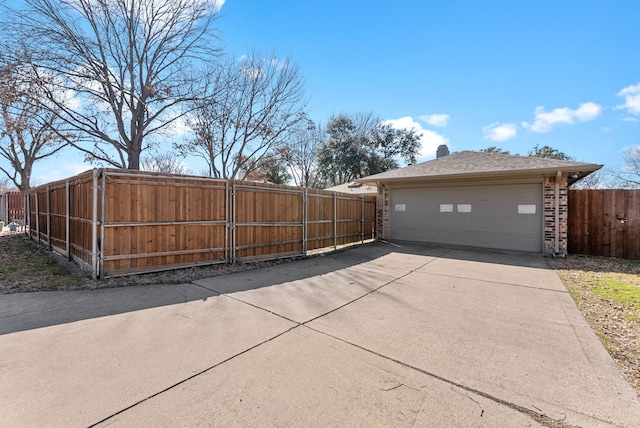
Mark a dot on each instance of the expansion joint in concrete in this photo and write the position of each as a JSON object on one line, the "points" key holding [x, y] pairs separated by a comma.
{"points": [[195, 375]]}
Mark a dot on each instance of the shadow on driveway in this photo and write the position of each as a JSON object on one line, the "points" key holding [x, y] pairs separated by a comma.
{"points": [[384, 334], [25, 311]]}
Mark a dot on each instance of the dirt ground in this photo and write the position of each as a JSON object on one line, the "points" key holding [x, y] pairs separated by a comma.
{"points": [[27, 266]]}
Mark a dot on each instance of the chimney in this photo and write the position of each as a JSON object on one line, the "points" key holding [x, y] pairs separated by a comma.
{"points": [[443, 150]]}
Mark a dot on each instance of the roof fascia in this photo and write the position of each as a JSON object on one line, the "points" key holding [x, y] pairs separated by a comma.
{"points": [[582, 169]]}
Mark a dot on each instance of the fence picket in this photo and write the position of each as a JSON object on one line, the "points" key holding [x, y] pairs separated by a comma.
{"points": [[117, 222], [604, 223]]}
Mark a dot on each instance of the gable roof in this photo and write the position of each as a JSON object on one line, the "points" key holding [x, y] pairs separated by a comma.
{"points": [[469, 164]]}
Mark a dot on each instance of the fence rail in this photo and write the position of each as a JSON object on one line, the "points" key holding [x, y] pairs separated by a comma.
{"points": [[604, 223], [118, 222]]}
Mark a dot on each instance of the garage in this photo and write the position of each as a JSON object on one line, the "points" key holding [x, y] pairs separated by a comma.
{"points": [[479, 199], [496, 216]]}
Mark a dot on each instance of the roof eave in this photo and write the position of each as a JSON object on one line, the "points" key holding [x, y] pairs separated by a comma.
{"points": [[574, 172]]}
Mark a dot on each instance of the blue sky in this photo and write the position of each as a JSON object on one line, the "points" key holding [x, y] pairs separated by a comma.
{"points": [[470, 74]]}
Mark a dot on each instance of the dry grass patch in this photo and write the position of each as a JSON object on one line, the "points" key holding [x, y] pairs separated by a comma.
{"points": [[607, 291], [28, 266]]}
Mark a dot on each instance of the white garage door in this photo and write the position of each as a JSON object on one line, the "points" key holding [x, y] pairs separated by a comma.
{"points": [[499, 216]]}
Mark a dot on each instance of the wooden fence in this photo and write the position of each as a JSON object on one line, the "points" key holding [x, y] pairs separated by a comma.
{"points": [[604, 223], [119, 222], [11, 207]]}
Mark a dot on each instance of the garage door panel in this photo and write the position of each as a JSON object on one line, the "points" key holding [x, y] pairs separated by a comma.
{"points": [[447, 222], [494, 220]]}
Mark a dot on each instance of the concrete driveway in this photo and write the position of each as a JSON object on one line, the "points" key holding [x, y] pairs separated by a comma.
{"points": [[378, 335]]}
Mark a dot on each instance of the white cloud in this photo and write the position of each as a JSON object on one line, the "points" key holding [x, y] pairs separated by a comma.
{"points": [[631, 96], [544, 121], [436, 119], [587, 112], [500, 132], [52, 169], [430, 140], [179, 128], [218, 5], [630, 148]]}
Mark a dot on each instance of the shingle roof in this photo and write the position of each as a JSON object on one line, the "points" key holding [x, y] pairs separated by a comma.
{"points": [[474, 164], [355, 188]]}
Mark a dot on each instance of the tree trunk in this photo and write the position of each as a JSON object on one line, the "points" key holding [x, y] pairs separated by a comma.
{"points": [[25, 178], [134, 159]]}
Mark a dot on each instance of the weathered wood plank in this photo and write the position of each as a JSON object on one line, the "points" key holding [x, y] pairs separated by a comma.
{"points": [[595, 225]]}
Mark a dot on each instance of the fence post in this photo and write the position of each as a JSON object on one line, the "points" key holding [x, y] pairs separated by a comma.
{"points": [[335, 221], [305, 220], [233, 222], [68, 220], [37, 216], [227, 218], [49, 246], [94, 227], [28, 210], [103, 220], [362, 216], [25, 201]]}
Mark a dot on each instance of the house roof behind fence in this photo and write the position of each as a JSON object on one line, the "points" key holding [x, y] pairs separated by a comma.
{"points": [[480, 164], [355, 188]]}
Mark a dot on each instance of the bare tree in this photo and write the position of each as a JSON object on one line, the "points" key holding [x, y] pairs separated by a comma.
{"points": [[626, 176], [630, 174], [601, 179], [301, 153], [5, 185], [257, 102], [122, 68], [28, 129], [164, 162]]}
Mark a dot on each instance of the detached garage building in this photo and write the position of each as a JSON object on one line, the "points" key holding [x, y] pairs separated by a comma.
{"points": [[478, 199]]}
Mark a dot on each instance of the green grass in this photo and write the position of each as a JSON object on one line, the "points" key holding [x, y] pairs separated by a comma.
{"points": [[626, 292], [618, 291]]}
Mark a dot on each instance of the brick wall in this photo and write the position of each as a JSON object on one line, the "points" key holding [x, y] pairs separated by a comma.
{"points": [[550, 215], [383, 204]]}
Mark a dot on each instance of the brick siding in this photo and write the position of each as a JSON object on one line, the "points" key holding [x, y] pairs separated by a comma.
{"points": [[383, 203], [550, 215]]}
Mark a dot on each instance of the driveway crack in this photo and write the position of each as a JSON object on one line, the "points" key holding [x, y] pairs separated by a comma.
{"points": [[502, 283], [229, 296], [537, 416]]}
